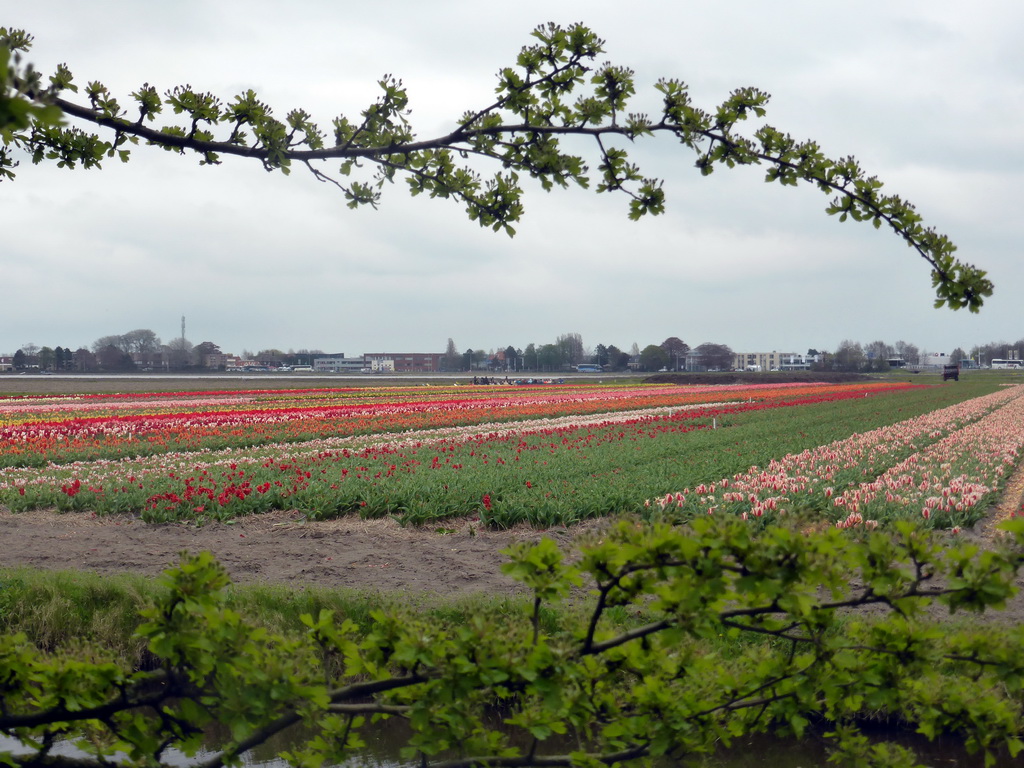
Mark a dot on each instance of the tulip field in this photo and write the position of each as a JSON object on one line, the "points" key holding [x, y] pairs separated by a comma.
{"points": [[852, 454]]}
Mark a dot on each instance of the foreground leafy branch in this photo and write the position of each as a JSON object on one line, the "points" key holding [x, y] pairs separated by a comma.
{"points": [[554, 91], [690, 677]]}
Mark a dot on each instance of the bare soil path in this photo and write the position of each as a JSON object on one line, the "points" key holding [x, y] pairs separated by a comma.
{"points": [[279, 548]]}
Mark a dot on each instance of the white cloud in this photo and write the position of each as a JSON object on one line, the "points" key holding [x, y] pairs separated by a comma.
{"points": [[925, 93]]}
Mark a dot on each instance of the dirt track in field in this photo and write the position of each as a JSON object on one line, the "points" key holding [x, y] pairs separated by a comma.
{"points": [[275, 548]]}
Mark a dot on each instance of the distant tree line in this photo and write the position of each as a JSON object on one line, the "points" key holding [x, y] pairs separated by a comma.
{"points": [[852, 356], [568, 351], [985, 353], [52, 359], [142, 349]]}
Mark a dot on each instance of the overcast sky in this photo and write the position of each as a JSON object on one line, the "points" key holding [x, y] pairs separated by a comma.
{"points": [[927, 94]]}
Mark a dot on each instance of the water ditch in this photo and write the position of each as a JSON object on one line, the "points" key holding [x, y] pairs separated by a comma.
{"points": [[385, 739]]}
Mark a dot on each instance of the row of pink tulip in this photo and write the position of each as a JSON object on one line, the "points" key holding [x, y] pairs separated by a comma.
{"points": [[14, 411], [951, 477], [939, 467]]}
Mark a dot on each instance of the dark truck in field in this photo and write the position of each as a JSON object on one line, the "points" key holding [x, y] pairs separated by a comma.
{"points": [[951, 372]]}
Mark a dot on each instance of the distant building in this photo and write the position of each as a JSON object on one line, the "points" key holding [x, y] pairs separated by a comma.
{"points": [[694, 363], [404, 362], [153, 360], [770, 361], [217, 361], [799, 362], [337, 364]]}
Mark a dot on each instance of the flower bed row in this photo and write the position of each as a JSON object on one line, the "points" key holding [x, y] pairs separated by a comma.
{"points": [[544, 472], [68, 436], [950, 462]]}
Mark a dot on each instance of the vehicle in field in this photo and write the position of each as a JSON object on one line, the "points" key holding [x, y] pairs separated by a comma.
{"points": [[951, 372], [588, 368]]}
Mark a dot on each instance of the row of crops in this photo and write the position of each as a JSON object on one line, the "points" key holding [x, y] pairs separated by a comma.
{"points": [[854, 454]]}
